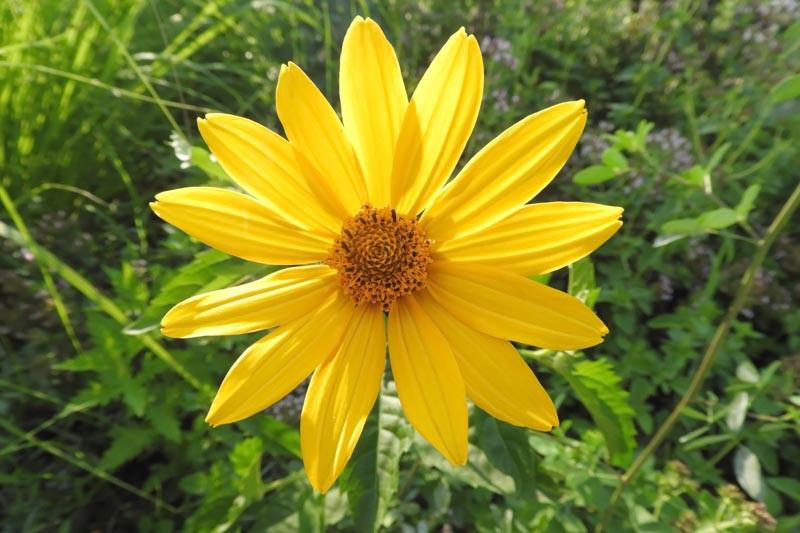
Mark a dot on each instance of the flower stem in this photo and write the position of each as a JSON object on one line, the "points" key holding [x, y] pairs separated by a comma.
{"points": [[745, 284]]}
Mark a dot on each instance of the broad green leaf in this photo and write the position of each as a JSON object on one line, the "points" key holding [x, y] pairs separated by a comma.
{"points": [[582, 282], [747, 468], [508, 449], [747, 200], [788, 486], [695, 175], [682, 226], [614, 159], [791, 36], [597, 387], [738, 411], [371, 478], [311, 512], [127, 443], [593, 174], [718, 218], [786, 89]]}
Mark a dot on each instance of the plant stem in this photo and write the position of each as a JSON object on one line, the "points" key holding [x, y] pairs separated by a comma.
{"points": [[745, 284]]}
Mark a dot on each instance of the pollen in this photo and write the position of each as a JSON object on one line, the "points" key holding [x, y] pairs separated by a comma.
{"points": [[381, 256]]}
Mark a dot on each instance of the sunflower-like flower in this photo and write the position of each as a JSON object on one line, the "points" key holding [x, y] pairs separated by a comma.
{"points": [[363, 210]]}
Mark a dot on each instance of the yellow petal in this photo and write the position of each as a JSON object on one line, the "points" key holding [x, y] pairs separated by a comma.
{"points": [[507, 172], [238, 225], [373, 100], [495, 376], [428, 380], [437, 124], [340, 396], [273, 366], [510, 306], [275, 299], [538, 238], [312, 126], [263, 163]]}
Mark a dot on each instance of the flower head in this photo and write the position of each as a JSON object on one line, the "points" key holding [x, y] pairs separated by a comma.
{"points": [[363, 212]]}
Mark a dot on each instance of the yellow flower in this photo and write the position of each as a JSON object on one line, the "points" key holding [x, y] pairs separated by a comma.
{"points": [[363, 207]]}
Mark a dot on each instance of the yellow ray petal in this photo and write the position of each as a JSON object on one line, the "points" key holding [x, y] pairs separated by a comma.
{"points": [[273, 366], [510, 306], [340, 396], [373, 100], [312, 126], [538, 238], [428, 380], [495, 376], [262, 304], [437, 123], [238, 225], [263, 163], [507, 172]]}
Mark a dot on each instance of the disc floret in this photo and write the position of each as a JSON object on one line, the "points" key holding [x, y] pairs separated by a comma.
{"points": [[381, 256]]}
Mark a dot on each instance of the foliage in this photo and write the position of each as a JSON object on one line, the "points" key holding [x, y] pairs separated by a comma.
{"points": [[693, 120]]}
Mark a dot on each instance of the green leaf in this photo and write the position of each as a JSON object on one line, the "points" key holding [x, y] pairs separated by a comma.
{"points": [[164, 421], [614, 159], [717, 156], [208, 271], [582, 282], [718, 218], [747, 372], [134, 394], [747, 201], [508, 450], [246, 461], [372, 476], [788, 486], [203, 160], [747, 468], [597, 387], [127, 443], [786, 89], [738, 411], [695, 175], [593, 174], [682, 226]]}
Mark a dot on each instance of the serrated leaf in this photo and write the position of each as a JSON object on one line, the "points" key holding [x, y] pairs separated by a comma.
{"points": [[738, 411], [748, 200], [718, 219], [597, 387], [164, 421], [582, 282], [127, 443], [371, 478], [747, 468], [786, 89], [134, 394], [593, 174], [246, 461], [209, 270]]}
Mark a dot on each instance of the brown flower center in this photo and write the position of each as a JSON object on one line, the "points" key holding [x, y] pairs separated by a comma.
{"points": [[381, 256]]}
